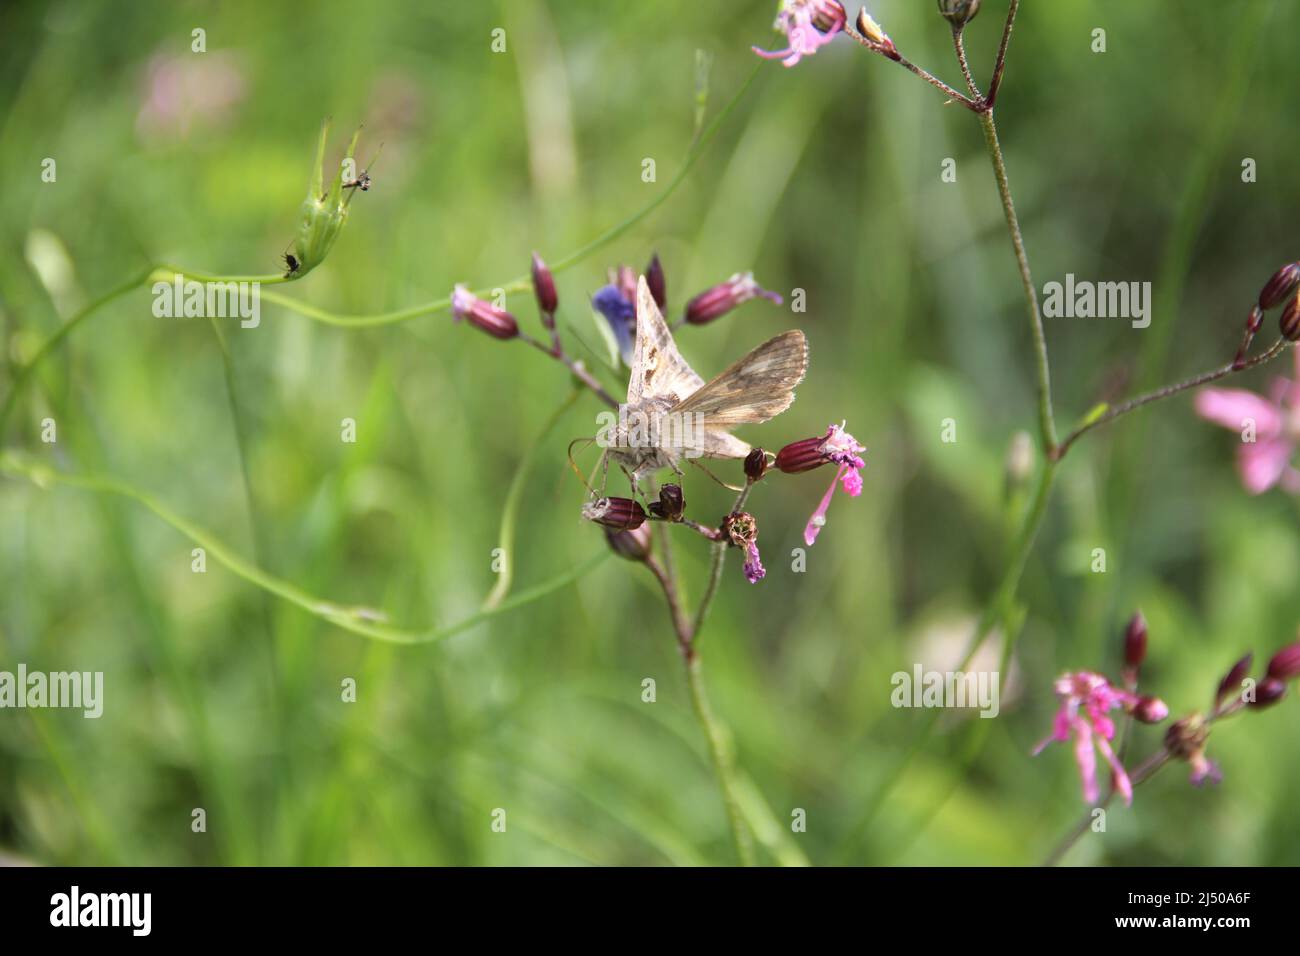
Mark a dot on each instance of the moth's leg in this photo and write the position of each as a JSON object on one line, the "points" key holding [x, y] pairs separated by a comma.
{"points": [[604, 471], [714, 477]]}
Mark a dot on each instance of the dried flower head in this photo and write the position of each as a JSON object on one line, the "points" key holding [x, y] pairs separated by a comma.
{"points": [[1185, 740], [742, 528]]}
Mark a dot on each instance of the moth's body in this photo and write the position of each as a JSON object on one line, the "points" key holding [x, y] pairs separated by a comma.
{"points": [[672, 413]]}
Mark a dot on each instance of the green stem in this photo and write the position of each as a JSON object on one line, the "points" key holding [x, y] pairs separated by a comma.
{"points": [[1168, 391], [993, 612], [359, 620], [24, 372], [1046, 423], [720, 757], [510, 511]]}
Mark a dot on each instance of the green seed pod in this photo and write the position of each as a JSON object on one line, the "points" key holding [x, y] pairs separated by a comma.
{"points": [[323, 212]]}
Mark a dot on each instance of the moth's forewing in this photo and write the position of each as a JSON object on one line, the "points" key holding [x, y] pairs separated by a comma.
{"points": [[659, 372], [756, 388]]}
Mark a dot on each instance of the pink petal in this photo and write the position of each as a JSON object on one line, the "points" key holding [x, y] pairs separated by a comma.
{"points": [[1086, 758], [1262, 463], [1230, 407], [1122, 782], [818, 518]]}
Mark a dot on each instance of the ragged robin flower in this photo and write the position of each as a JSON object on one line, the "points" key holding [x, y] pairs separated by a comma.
{"points": [[1086, 699], [808, 26], [836, 447]]}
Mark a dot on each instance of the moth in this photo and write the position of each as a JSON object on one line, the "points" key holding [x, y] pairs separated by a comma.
{"points": [[672, 413]]}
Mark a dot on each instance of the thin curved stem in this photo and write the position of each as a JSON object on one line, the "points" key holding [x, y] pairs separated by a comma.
{"points": [[720, 756], [1046, 423], [24, 372], [959, 46], [366, 622], [891, 53], [1000, 64], [1145, 771], [1114, 412], [573, 365]]}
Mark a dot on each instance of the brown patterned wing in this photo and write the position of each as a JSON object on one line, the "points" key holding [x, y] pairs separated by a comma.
{"points": [[658, 369], [755, 389]]}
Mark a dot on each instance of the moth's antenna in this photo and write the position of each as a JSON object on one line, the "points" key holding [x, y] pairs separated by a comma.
{"points": [[574, 465], [713, 476]]}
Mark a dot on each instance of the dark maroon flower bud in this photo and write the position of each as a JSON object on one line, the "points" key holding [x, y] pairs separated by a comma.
{"points": [[670, 505], [1283, 283], [722, 298], [1150, 710], [544, 289], [622, 514], [486, 316], [1285, 664], [633, 545], [1289, 321], [1268, 692], [1135, 641], [654, 278], [803, 455], [756, 464], [1231, 683], [828, 15]]}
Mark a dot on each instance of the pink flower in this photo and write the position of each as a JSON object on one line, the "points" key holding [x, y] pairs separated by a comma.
{"points": [[841, 448], [1086, 698], [809, 25], [754, 570], [1274, 427]]}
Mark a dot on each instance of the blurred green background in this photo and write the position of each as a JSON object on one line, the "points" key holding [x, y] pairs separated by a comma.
{"points": [[1126, 166]]}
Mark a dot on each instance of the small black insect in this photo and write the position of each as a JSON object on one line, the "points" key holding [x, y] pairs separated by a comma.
{"points": [[291, 263], [362, 182]]}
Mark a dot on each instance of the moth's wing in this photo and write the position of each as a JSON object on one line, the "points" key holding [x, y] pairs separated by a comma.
{"points": [[758, 387], [717, 443], [658, 369]]}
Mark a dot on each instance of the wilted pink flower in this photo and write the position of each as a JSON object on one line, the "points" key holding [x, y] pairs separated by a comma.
{"points": [[1086, 698], [720, 299], [809, 25], [1265, 461], [838, 447], [742, 529]]}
